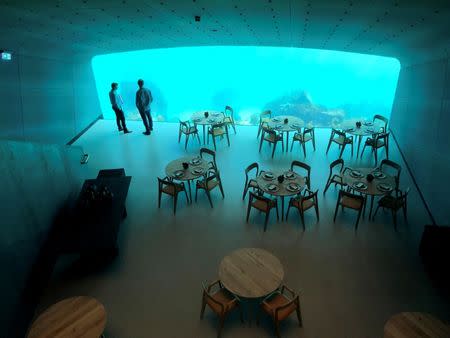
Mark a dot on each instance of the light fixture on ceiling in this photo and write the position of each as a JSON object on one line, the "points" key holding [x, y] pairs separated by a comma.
{"points": [[5, 56], [197, 18]]}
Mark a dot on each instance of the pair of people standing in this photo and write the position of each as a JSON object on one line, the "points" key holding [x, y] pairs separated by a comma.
{"points": [[143, 101]]}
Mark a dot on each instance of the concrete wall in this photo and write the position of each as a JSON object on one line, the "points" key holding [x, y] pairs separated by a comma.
{"points": [[46, 100], [36, 179], [420, 121]]}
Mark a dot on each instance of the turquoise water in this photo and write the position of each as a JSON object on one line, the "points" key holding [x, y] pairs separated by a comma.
{"points": [[321, 87]]}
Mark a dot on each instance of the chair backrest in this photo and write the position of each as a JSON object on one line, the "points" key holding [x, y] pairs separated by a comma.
{"points": [[385, 120], [382, 137], [220, 125], [164, 181], [304, 166], [252, 166], [209, 152], [210, 297], [229, 110], [395, 166], [184, 125], [336, 163], [343, 193], [308, 131], [266, 113], [268, 130], [337, 132], [308, 195]]}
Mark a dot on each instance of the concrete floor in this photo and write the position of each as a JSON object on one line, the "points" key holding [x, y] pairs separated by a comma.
{"points": [[349, 283]]}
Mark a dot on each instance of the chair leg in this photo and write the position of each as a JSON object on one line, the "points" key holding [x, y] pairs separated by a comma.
{"points": [[405, 214], [357, 219], [196, 192], [342, 150], [335, 211], [214, 141], [304, 149], [209, 197], [266, 220], [228, 138], [276, 208], [376, 155], [221, 322], [326, 187], [376, 210], [221, 189], [292, 144], [179, 136], [287, 212], [299, 316], [277, 329], [202, 311], [302, 217], [248, 209], [314, 141], [394, 217], [245, 191], [317, 211], [260, 143], [274, 147], [352, 149], [187, 139], [175, 198], [159, 199], [328, 147]]}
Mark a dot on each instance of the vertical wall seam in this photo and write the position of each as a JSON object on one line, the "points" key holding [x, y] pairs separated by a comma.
{"points": [[21, 95]]}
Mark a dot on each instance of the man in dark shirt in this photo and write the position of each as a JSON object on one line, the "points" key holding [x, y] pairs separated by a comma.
{"points": [[143, 100], [116, 103]]}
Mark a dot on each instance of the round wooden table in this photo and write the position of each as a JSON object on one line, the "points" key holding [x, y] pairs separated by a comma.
{"points": [[367, 129], [415, 325], [76, 317], [188, 174], [277, 123], [282, 189], [251, 273], [213, 118], [373, 189]]}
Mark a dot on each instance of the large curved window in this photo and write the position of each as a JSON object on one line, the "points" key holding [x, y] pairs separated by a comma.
{"points": [[321, 87]]}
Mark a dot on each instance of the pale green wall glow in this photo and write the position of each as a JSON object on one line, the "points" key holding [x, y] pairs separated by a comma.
{"points": [[320, 86]]}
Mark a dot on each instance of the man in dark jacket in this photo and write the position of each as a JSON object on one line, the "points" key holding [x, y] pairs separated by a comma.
{"points": [[143, 100]]}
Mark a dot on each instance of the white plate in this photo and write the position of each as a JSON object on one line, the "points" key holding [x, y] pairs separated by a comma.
{"points": [[197, 171], [356, 174], [359, 186], [289, 175], [293, 188], [272, 187], [379, 174], [275, 120], [195, 161], [268, 176], [384, 187], [178, 173]]}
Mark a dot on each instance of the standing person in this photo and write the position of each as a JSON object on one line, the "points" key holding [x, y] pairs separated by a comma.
{"points": [[143, 100], [116, 102]]}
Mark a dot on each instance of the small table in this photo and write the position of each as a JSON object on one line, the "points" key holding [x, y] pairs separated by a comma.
{"points": [[415, 325], [251, 272], [187, 174], [372, 187], [214, 117], [74, 317], [277, 123], [367, 128], [282, 188]]}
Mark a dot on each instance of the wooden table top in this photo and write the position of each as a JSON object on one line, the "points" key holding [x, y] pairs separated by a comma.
{"points": [[189, 173], [367, 128], [213, 117], [277, 123], [372, 187], [282, 188], [251, 272], [77, 317], [415, 325]]}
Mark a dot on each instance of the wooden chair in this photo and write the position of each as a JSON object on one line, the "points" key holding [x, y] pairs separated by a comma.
{"points": [[218, 130], [308, 134], [351, 201], [263, 204], [229, 117], [304, 202], [250, 182], [336, 175], [341, 139], [171, 188], [205, 152], [305, 167], [220, 301], [384, 120], [389, 166], [281, 304], [264, 117], [394, 204], [272, 137], [377, 141], [210, 182], [188, 130]]}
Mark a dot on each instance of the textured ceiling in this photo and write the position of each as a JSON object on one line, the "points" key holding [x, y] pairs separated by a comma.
{"points": [[413, 31]]}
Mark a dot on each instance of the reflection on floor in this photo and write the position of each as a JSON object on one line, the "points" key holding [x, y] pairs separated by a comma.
{"points": [[349, 283]]}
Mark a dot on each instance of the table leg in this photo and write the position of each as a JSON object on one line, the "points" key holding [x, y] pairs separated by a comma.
{"points": [[204, 136], [371, 206], [282, 208], [190, 192], [359, 145], [287, 142]]}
